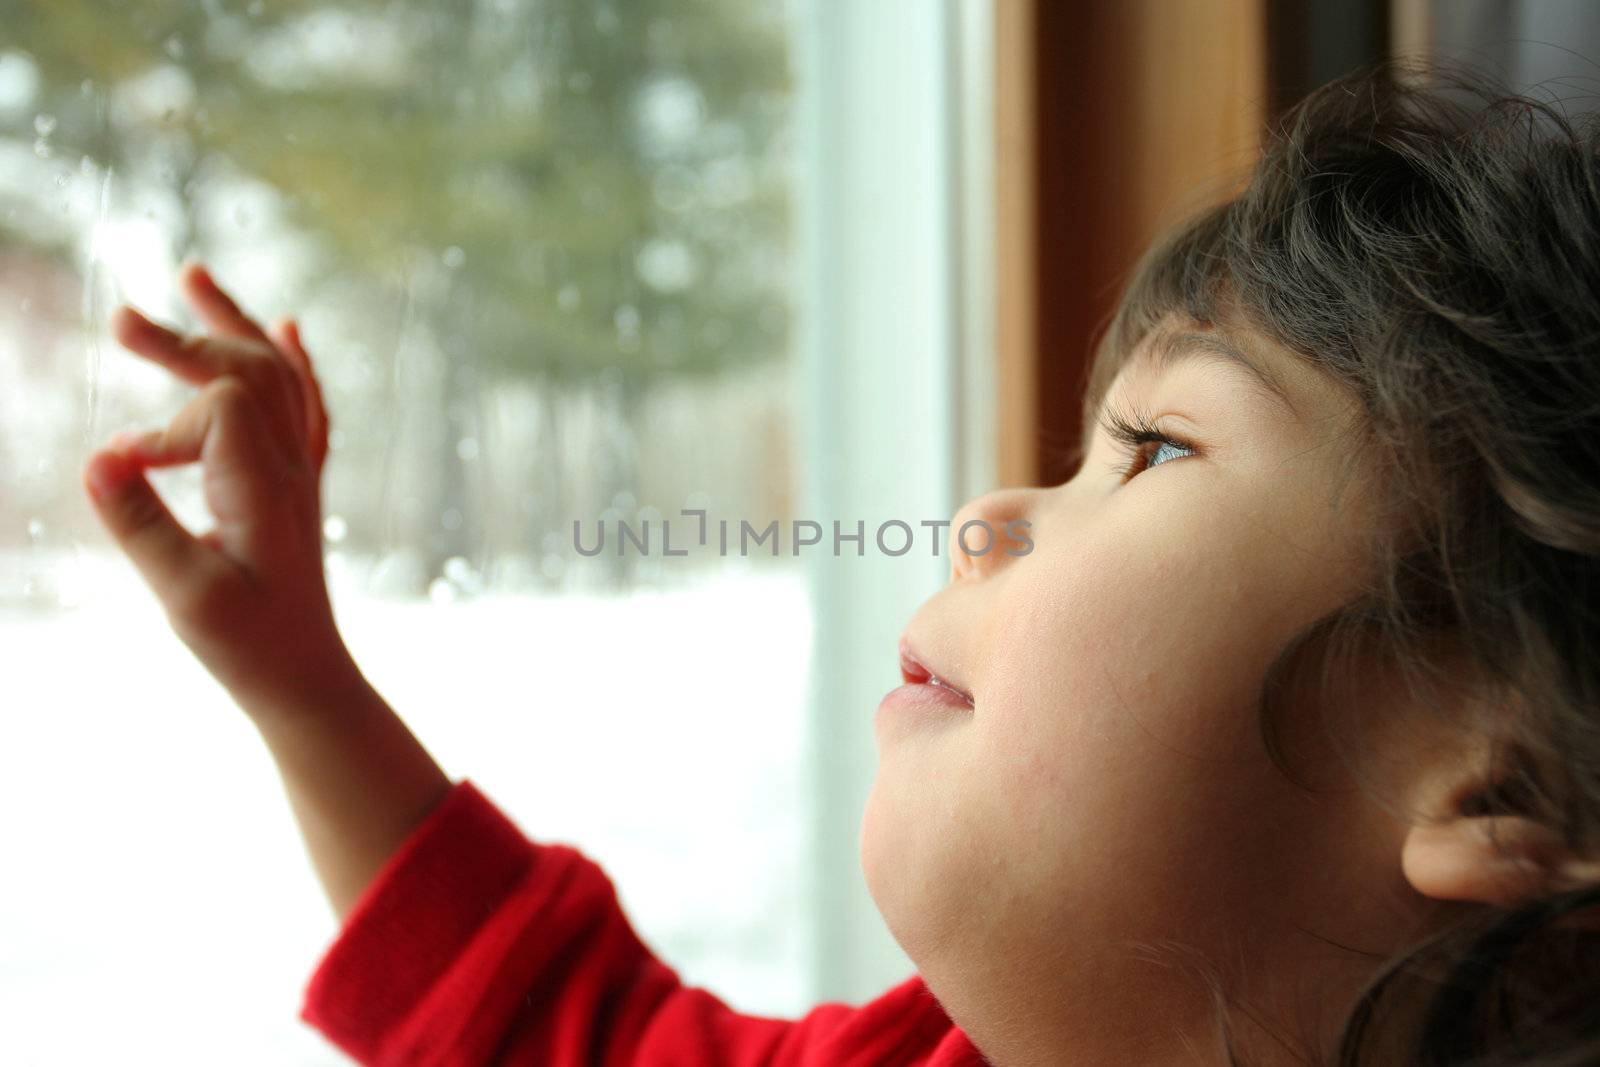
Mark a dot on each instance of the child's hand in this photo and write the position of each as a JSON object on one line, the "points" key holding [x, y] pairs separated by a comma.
{"points": [[249, 597]]}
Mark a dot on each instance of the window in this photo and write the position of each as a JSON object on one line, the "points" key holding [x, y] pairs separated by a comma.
{"points": [[557, 261]]}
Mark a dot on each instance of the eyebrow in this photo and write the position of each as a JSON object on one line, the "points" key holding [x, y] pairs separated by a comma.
{"points": [[1171, 349]]}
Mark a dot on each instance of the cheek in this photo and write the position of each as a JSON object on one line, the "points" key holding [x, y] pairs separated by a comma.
{"points": [[1153, 645], [1111, 783], [1119, 721]]}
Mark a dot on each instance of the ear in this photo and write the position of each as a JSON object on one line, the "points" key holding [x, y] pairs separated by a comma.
{"points": [[1503, 860]]}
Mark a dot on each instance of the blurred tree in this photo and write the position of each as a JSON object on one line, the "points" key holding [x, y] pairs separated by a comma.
{"points": [[599, 185]]}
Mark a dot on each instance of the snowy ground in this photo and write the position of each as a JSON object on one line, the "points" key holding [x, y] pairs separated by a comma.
{"points": [[157, 906]]}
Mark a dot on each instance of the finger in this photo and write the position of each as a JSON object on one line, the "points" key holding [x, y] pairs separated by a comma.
{"points": [[287, 336], [223, 316], [293, 333], [202, 360], [319, 407], [183, 439], [215, 307], [190, 358], [161, 549]]}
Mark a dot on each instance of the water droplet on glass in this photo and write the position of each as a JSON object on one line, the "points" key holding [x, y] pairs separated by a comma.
{"points": [[627, 319], [670, 110], [461, 575], [35, 529], [666, 266], [41, 148], [44, 125], [441, 591], [86, 87], [451, 519], [553, 566], [87, 167], [174, 47], [467, 449], [453, 257], [334, 528], [568, 298]]}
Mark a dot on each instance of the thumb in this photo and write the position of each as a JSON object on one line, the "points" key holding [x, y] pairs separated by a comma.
{"points": [[164, 552]]}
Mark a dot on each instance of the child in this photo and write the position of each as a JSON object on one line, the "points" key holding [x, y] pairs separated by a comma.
{"points": [[1281, 745]]}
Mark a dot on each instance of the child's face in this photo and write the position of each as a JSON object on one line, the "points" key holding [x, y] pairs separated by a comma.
{"points": [[1110, 785]]}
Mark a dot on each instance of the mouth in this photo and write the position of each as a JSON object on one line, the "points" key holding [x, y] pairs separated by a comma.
{"points": [[916, 672]]}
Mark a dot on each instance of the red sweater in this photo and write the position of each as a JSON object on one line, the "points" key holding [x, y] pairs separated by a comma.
{"points": [[475, 945]]}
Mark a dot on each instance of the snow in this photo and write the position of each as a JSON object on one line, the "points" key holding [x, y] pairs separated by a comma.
{"points": [[158, 906]]}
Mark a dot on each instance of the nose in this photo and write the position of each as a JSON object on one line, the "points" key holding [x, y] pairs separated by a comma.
{"points": [[990, 531]]}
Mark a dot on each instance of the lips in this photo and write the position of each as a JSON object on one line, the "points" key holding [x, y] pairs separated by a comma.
{"points": [[915, 671]]}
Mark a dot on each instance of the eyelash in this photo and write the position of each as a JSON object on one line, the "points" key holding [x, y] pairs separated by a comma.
{"points": [[1133, 430]]}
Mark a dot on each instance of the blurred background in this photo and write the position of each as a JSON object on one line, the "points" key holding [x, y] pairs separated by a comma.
{"points": [[569, 261]]}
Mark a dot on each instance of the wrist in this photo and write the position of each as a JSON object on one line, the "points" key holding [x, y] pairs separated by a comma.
{"points": [[319, 688]]}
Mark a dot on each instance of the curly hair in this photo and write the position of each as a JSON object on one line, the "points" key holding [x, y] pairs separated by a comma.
{"points": [[1431, 241]]}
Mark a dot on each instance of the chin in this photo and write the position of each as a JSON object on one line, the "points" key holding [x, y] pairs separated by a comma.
{"points": [[888, 871], [901, 863], [870, 845]]}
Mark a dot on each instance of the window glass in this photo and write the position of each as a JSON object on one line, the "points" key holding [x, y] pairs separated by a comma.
{"points": [[541, 253]]}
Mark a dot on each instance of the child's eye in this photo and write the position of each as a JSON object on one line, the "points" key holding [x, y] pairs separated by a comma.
{"points": [[1134, 431]]}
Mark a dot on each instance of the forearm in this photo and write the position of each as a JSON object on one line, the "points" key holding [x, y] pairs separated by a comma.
{"points": [[358, 782]]}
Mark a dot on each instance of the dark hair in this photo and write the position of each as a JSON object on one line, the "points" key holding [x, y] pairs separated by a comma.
{"points": [[1431, 241]]}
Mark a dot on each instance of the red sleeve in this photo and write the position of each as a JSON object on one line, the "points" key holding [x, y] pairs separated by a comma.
{"points": [[474, 945]]}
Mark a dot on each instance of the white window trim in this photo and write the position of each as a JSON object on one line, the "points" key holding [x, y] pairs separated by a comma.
{"points": [[895, 382]]}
